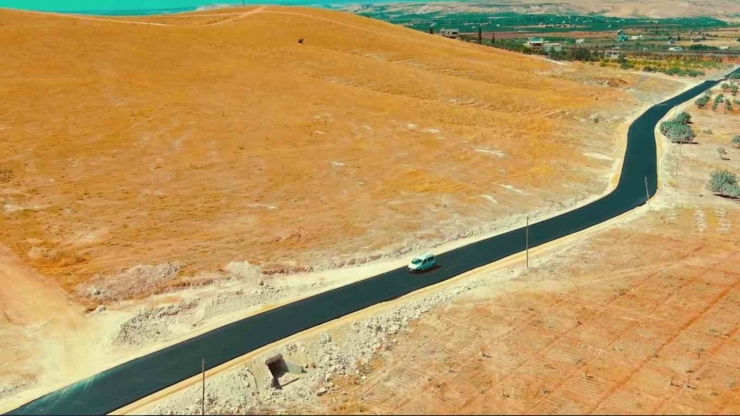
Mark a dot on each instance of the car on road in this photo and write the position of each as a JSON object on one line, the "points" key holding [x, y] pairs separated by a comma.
{"points": [[423, 262]]}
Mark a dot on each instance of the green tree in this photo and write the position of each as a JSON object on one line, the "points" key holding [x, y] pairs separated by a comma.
{"points": [[720, 180], [683, 118], [677, 132], [581, 54], [728, 105], [702, 101]]}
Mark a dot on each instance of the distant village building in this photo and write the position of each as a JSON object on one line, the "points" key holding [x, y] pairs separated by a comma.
{"points": [[450, 33], [612, 53], [580, 41], [675, 49], [671, 41], [724, 48], [535, 44], [637, 37], [551, 46]]}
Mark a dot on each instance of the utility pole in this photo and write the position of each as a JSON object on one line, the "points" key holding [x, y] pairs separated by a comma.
{"points": [[480, 35], [647, 194], [203, 372], [493, 38], [527, 240]]}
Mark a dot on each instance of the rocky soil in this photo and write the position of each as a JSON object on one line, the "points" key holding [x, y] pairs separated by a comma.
{"points": [[343, 351]]}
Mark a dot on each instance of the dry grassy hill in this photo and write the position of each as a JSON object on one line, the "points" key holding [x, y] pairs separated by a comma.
{"points": [[214, 137]]}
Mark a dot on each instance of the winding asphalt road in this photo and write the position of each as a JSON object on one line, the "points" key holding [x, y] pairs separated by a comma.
{"points": [[131, 381]]}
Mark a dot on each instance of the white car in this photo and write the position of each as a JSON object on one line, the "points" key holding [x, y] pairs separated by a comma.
{"points": [[423, 262]]}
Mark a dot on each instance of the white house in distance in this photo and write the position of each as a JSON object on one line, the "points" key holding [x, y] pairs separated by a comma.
{"points": [[450, 33], [675, 49], [611, 54], [580, 41]]}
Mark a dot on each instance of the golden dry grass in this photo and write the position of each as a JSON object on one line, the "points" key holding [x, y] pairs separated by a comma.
{"points": [[208, 139]]}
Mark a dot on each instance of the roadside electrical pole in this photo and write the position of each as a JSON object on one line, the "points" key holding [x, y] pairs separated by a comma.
{"points": [[647, 194], [526, 240], [203, 372]]}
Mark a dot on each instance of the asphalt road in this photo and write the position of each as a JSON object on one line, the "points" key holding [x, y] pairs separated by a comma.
{"points": [[131, 381]]}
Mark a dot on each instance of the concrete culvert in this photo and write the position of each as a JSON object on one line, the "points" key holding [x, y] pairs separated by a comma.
{"points": [[283, 372]]}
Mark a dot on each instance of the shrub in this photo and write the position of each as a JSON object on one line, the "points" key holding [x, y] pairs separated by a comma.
{"points": [[683, 118], [732, 191], [648, 68], [728, 105], [721, 152], [736, 141], [714, 105], [694, 73], [724, 182], [725, 86], [734, 89], [702, 101]]}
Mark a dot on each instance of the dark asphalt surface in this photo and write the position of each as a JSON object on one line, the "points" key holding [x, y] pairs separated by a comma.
{"points": [[131, 381]]}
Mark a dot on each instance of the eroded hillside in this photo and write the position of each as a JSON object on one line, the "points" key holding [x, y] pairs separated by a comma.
{"points": [[216, 137]]}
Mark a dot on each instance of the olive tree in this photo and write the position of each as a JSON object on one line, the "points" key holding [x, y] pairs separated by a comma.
{"points": [[724, 182], [677, 132], [683, 118]]}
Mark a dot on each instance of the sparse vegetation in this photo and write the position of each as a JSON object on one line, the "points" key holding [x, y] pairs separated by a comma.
{"points": [[721, 152], [736, 142], [724, 182]]}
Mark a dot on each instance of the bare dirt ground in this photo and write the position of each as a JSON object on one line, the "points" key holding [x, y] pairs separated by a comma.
{"points": [[640, 317], [169, 153]]}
